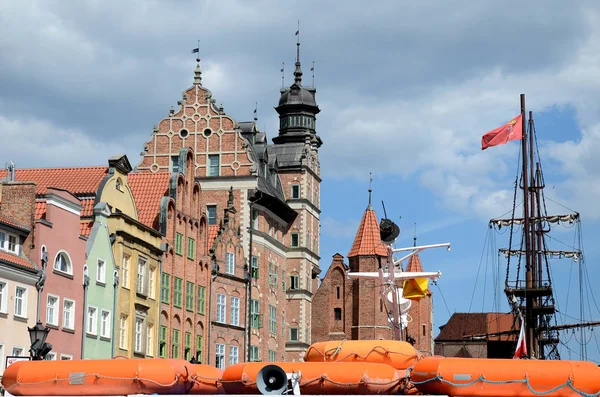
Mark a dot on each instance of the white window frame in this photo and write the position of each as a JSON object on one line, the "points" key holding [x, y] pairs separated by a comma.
{"points": [[220, 356], [66, 357], [294, 282], [123, 345], [230, 262], [93, 322], [71, 317], [292, 245], [140, 280], [23, 313], [292, 339], [210, 219], [125, 270], [3, 297], [221, 308], [55, 310], [22, 349], [210, 166], [101, 271], [5, 241], [104, 334], [272, 319], [295, 196], [151, 282], [234, 355], [68, 263], [150, 340], [138, 340], [50, 356], [2, 356], [235, 310]]}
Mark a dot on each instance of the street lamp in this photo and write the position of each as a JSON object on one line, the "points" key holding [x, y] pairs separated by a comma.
{"points": [[39, 347]]}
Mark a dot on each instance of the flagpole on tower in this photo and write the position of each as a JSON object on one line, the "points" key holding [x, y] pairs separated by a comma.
{"points": [[313, 73], [282, 75]]}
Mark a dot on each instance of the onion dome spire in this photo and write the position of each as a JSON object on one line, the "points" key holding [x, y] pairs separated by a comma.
{"points": [[298, 70]]}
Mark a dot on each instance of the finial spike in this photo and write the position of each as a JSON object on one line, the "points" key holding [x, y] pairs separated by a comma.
{"points": [[197, 71], [415, 237], [282, 75], [313, 73], [298, 71], [370, 187], [255, 110]]}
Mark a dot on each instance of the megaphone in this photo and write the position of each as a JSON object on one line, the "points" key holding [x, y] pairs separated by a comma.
{"points": [[271, 379]]}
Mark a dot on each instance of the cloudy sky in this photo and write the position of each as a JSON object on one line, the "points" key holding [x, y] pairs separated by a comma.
{"points": [[406, 90]]}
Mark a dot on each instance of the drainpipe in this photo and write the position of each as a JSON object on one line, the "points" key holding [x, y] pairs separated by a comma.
{"points": [[40, 284], [254, 196], [86, 283], [214, 273], [113, 347]]}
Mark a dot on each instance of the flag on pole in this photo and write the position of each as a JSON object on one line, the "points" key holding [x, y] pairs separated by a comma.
{"points": [[521, 350], [195, 50], [511, 131]]}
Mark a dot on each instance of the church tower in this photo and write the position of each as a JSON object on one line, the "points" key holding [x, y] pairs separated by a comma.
{"points": [[296, 150]]}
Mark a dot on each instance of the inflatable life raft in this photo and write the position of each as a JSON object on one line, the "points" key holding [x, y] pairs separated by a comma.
{"points": [[398, 354], [110, 377], [315, 378], [505, 377]]}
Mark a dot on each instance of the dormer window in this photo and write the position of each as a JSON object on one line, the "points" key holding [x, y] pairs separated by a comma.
{"points": [[9, 242]]}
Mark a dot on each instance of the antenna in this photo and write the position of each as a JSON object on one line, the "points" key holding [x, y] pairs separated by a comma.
{"points": [[370, 186], [384, 212], [255, 110], [415, 237], [313, 73], [282, 75]]}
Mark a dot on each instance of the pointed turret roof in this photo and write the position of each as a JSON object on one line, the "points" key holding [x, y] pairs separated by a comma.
{"points": [[368, 238], [414, 264]]}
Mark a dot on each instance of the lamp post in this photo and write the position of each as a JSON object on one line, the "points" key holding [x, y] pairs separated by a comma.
{"points": [[38, 333]]}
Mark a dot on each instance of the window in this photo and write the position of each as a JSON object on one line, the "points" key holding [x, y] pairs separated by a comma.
{"points": [[273, 277], [294, 240], [254, 267], [178, 243], [175, 345], [213, 165], [165, 288], [151, 282], [123, 332], [3, 297], [254, 356], [255, 219], [221, 308], [235, 310], [188, 346], [283, 280], [17, 351], [178, 292], [201, 299], [125, 271], [294, 334], [255, 314], [66, 357], [105, 324], [21, 302], [190, 248], [220, 356], [234, 354], [141, 276], [101, 272], [199, 345], [52, 310], [338, 292], [337, 313], [294, 281], [295, 191], [272, 319], [149, 340], [211, 211], [162, 343], [230, 263], [308, 192], [272, 356], [189, 296], [50, 356], [9, 242], [424, 330], [138, 345], [68, 314], [62, 263], [174, 164], [92, 318]]}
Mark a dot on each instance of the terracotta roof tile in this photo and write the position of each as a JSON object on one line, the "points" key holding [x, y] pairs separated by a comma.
{"points": [[414, 264], [465, 324], [17, 260], [40, 209], [213, 231], [368, 238], [76, 180], [148, 189], [85, 228], [12, 223], [87, 209]]}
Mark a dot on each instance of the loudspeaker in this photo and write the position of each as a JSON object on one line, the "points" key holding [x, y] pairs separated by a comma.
{"points": [[271, 379], [388, 230]]}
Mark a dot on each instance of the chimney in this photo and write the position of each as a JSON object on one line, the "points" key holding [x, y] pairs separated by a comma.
{"points": [[17, 202]]}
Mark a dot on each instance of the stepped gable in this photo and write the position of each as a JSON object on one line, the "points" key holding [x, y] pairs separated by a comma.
{"points": [[148, 190], [368, 238]]}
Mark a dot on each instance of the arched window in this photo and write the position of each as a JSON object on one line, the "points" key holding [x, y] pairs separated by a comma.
{"points": [[62, 263]]}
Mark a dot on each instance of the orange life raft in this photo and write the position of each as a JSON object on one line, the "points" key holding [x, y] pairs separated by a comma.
{"points": [[398, 354], [319, 378], [505, 377], [110, 377]]}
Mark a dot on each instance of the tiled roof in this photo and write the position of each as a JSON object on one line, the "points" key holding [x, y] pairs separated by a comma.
{"points": [[12, 223], [85, 228], [76, 180], [213, 231], [414, 264], [368, 239], [465, 324], [148, 189], [17, 260], [40, 209], [87, 209]]}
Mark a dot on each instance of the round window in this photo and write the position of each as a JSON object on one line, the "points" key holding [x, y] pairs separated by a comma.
{"points": [[207, 132], [183, 133]]}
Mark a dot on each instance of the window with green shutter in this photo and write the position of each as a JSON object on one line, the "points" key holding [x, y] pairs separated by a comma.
{"points": [[162, 344], [188, 346], [189, 296], [272, 356], [201, 299], [254, 267], [178, 292], [178, 243], [199, 343], [165, 288], [255, 316], [175, 348], [272, 319], [254, 356], [190, 248]]}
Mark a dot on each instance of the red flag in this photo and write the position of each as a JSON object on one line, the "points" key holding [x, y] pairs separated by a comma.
{"points": [[521, 344], [511, 131]]}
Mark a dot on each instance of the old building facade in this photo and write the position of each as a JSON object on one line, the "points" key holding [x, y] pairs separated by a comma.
{"points": [[275, 189]]}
